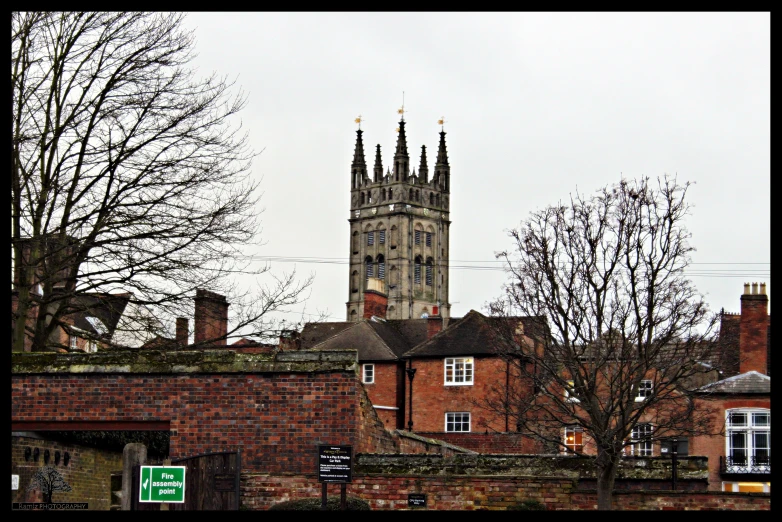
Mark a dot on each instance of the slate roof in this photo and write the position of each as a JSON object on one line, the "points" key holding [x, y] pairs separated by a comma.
{"points": [[97, 314], [751, 382], [391, 340], [473, 335], [375, 339]]}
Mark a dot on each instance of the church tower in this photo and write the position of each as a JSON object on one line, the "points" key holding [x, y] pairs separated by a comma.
{"points": [[399, 231]]}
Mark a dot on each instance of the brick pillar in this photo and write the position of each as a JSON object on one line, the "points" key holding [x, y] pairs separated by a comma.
{"points": [[375, 299], [753, 332], [182, 331], [211, 318]]}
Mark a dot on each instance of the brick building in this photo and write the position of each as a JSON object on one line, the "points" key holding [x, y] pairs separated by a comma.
{"points": [[740, 460]]}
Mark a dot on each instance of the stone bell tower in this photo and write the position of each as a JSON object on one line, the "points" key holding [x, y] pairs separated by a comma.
{"points": [[399, 231]]}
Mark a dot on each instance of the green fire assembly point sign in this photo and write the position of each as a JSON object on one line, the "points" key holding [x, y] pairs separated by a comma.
{"points": [[162, 484]]}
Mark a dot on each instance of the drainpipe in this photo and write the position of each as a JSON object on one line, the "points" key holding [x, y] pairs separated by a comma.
{"points": [[674, 462], [410, 374]]}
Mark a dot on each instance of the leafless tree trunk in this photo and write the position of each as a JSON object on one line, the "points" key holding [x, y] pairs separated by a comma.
{"points": [[126, 173], [629, 335]]}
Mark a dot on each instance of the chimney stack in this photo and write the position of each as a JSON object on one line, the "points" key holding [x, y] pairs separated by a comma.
{"points": [[434, 323], [211, 318], [182, 331], [375, 299], [753, 330]]}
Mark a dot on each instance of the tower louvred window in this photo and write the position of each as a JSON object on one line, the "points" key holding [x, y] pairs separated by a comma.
{"points": [[370, 238], [381, 237], [417, 237], [428, 239]]}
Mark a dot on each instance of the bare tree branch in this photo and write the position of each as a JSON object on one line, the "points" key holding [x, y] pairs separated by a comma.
{"points": [[127, 173], [605, 275]]}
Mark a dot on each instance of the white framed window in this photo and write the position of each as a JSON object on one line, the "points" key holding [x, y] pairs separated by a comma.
{"points": [[368, 374], [574, 439], [74, 342], [570, 393], [457, 421], [92, 346], [640, 441], [458, 371], [748, 440], [644, 390]]}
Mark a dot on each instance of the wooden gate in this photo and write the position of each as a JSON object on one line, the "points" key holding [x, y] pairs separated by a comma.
{"points": [[211, 483]]}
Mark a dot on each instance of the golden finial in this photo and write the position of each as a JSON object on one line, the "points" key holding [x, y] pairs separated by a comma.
{"points": [[359, 120], [401, 110], [441, 122]]}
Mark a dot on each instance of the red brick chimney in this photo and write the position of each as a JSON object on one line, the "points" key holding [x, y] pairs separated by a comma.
{"points": [[753, 330], [375, 299], [182, 331], [434, 323], [211, 318]]}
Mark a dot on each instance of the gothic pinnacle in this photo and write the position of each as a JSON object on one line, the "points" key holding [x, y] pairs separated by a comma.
{"points": [[423, 170]]}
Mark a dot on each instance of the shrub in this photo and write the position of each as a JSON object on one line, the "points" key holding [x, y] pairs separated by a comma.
{"points": [[314, 504]]}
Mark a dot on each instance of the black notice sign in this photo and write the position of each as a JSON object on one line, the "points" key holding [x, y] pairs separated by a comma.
{"points": [[416, 500], [335, 463], [225, 482]]}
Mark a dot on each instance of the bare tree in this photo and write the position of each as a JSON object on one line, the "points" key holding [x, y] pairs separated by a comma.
{"points": [[48, 480], [630, 337], [126, 173]]}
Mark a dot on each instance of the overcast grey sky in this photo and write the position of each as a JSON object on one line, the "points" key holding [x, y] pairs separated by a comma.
{"points": [[536, 105]]}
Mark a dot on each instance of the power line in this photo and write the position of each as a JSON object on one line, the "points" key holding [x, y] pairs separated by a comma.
{"points": [[701, 272]]}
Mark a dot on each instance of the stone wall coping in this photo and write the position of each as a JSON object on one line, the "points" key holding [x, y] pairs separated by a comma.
{"points": [[564, 466], [149, 361]]}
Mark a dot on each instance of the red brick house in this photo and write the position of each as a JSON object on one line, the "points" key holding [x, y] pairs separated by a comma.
{"points": [[740, 460], [426, 375]]}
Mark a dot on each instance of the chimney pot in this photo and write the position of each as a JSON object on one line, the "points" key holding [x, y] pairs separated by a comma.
{"points": [[746, 288]]}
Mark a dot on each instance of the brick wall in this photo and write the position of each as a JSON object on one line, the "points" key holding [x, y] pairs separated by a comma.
{"points": [[88, 471], [277, 409], [484, 493], [432, 398], [385, 391], [274, 418], [488, 442]]}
